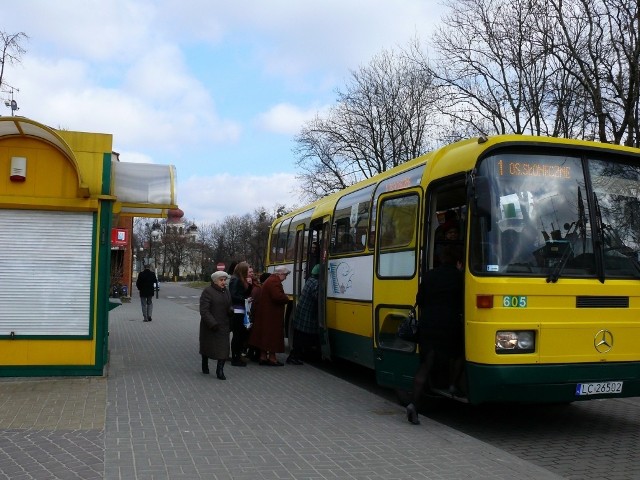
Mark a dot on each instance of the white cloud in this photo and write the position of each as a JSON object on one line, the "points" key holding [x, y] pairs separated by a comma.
{"points": [[205, 86], [112, 32], [329, 36], [211, 199], [286, 118], [157, 106]]}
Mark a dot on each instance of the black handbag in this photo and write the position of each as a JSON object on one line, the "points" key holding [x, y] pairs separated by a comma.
{"points": [[408, 328]]}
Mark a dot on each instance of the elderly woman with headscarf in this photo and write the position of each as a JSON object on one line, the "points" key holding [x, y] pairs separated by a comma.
{"points": [[215, 314], [268, 335]]}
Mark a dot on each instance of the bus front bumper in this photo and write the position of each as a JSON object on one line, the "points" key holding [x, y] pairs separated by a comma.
{"points": [[552, 383]]}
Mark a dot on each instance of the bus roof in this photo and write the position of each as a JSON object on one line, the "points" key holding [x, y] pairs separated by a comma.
{"points": [[455, 157]]}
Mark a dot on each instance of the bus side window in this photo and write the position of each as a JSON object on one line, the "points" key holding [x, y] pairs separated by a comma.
{"points": [[351, 220], [387, 237], [398, 224]]}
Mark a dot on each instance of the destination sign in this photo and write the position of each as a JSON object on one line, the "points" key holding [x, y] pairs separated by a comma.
{"points": [[525, 169]]}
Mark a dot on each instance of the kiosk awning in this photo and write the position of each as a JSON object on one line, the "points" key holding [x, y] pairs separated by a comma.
{"points": [[143, 189]]}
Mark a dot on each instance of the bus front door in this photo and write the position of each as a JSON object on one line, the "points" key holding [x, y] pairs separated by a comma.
{"points": [[395, 285]]}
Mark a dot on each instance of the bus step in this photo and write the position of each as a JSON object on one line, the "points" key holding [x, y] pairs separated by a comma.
{"points": [[446, 393]]}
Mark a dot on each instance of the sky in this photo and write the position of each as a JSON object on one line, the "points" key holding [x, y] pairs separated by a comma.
{"points": [[217, 89]]}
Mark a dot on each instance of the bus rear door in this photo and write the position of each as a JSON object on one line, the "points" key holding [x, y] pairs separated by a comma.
{"points": [[320, 231]]}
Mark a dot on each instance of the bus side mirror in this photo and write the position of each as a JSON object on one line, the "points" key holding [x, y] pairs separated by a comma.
{"points": [[482, 197]]}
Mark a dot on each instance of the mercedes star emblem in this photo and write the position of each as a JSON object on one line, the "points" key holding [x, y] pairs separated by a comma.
{"points": [[603, 341]]}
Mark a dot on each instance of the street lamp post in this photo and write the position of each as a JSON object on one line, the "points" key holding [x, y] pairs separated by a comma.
{"points": [[154, 236]]}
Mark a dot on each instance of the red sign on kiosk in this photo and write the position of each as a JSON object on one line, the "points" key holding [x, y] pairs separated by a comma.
{"points": [[119, 237]]}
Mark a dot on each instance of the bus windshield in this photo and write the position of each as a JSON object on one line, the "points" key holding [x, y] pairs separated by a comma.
{"points": [[546, 222]]}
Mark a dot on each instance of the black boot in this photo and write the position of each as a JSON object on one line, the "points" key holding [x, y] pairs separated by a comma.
{"points": [[220, 370], [236, 361], [412, 414], [205, 365]]}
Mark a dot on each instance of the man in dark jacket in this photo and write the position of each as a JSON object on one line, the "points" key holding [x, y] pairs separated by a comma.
{"points": [[440, 298], [305, 321], [146, 284]]}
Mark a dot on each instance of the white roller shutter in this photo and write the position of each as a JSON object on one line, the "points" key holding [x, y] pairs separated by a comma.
{"points": [[45, 272]]}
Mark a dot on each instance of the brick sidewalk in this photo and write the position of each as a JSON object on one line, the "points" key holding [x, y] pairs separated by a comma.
{"points": [[162, 419]]}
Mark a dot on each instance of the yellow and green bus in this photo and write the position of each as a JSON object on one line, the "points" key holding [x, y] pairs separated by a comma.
{"points": [[550, 241]]}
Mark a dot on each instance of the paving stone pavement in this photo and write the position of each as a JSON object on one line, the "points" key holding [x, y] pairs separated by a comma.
{"points": [[156, 416]]}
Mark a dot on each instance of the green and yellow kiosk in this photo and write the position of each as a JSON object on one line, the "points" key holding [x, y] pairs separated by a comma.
{"points": [[60, 194]]}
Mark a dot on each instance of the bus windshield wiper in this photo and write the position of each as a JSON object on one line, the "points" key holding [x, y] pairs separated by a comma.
{"points": [[598, 234], [582, 220], [557, 269]]}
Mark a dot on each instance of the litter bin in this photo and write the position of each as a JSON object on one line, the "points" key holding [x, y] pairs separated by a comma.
{"points": [[125, 291]]}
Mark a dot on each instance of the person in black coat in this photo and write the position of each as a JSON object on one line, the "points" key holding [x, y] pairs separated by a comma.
{"points": [[215, 315], [440, 299], [240, 285], [146, 284]]}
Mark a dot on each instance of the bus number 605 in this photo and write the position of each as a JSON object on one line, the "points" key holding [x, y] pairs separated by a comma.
{"points": [[514, 301]]}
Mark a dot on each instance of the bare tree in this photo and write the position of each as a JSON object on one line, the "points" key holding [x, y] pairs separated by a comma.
{"points": [[12, 50], [260, 225], [206, 244], [380, 121], [176, 251], [493, 66], [600, 40], [543, 67]]}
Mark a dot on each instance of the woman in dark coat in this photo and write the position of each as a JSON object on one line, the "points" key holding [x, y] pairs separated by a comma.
{"points": [[215, 313], [254, 351], [240, 286], [268, 335]]}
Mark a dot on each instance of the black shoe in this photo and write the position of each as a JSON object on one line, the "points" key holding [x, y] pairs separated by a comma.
{"points": [[276, 363], [220, 375], [294, 361], [205, 365], [145, 320], [412, 414], [238, 363], [149, 318]]}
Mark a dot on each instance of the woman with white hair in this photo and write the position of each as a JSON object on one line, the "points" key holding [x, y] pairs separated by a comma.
{"points": [[215, 314]]}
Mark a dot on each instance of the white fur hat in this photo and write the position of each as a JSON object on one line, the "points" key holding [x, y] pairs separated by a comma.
{"points": [[219, 274]]}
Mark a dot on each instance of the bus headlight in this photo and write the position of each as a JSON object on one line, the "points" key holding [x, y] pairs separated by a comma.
{"points": [[515, 341]]}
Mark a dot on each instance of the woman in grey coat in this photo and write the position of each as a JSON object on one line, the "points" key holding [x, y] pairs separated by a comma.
{"points": [[215, 312]]}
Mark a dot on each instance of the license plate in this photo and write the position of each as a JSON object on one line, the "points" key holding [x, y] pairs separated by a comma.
{"points": [[598, 388]]}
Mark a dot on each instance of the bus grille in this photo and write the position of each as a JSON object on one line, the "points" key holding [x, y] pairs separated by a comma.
{"points": [[602, 302]]}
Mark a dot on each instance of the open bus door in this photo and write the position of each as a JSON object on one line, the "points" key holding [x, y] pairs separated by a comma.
{"points": [[299, 271], [395, 286], [320, 232]]}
